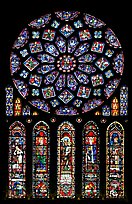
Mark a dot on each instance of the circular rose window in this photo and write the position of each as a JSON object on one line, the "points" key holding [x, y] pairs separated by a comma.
{"points": [[66, 63]]}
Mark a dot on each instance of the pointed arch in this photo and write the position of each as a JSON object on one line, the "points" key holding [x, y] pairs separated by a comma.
{"points": [[17, 160], [40, 160], [66, 161], [91, 161], [115, 160]]}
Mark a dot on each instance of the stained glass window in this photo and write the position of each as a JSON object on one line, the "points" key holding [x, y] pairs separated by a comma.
{"points": [[115, 107], [9, 101], [17, 107], [115, 160], [26, 110], [91, 161], [66, 161], [124, 101], [41, 158], [66, 68], [17, 160], [106, 110], [66, 63]]}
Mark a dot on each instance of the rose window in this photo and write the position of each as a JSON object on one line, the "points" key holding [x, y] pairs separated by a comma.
{"points": [[66, 63]]}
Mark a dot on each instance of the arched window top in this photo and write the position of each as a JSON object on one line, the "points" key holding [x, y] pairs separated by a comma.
{"points": [[65, 126], [91, 125], [17, 127], [41, 125], [115, 126]]}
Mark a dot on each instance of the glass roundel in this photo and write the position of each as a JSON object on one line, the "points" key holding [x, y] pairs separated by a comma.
{"points": [[66, 62]]}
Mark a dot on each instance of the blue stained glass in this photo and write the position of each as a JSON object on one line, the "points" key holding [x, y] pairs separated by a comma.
{"points": [[31, 63], [109, 53], [35, 34], [51, 49], [60, 82], [40, 22], [55, 24], [24, 74], [72, 44], [98, 34], [110, 87], [61, 44], [35, 47], [48, 35], [66, 30], [45, 69], [102, 63], [54, 102], [22, 87], [67, 15], [91, 104], [71, 82], [106, 110], [93, 21], [35, 80], [97, 47], [82, 49], [77, 102], [48, 92], [84, 92], [66, 111], [24, 52], [111, 39], [85, 35], [119, 63], [50, 78], [87, 68], [66, 96], [109, 74], [87, 58], [46, 58], [35, 92], [78, 24], [14, 63], [82, 78], [67, 52], [40, 104], [97, 92], [22, 39]]}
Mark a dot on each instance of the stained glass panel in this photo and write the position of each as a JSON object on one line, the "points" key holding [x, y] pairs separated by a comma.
{"points": [[115, 161], [124, 101], [17, 107], [9, 101], [66, 161], [91, 161], [17, 161], [41, 158]]}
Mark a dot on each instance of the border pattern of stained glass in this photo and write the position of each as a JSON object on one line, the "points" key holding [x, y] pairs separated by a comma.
{"points": [[124, 101], [66, 62], [66, 161], [91, 161], [115, 161], [17, 161], [41, 158], [9, 101]]}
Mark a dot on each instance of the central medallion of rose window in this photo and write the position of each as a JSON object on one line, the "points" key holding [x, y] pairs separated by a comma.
{"points": [[66, 63]]}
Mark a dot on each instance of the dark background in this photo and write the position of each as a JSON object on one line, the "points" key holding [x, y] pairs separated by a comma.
{"points": [[14, 16]]}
